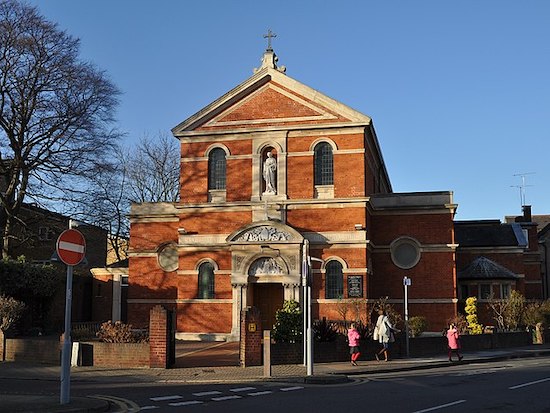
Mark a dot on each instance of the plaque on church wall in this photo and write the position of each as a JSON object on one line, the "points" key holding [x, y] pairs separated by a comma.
{"points": [[355, 286]]}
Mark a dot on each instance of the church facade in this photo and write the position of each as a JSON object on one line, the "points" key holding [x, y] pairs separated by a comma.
{"points": [[271, 171]]}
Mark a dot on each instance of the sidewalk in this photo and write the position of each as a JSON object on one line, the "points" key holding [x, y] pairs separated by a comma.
{"points": [[324, 373]]}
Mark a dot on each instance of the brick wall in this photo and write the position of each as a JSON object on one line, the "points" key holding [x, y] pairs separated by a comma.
{"points": [[121, 355], [41, 350], [149, 236], [326, 219]]}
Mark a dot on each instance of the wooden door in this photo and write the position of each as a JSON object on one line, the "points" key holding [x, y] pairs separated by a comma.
{"points": [[268, 298]]}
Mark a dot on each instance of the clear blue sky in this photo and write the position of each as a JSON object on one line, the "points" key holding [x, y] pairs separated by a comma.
{"points": [[459, 91]]}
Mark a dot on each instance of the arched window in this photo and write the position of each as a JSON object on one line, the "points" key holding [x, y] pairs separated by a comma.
{"points": [[334, 280], [216, 169], [206, 280], [324, 174]]}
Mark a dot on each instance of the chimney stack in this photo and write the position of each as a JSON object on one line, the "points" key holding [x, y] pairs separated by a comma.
{"points": [[526, 213]]}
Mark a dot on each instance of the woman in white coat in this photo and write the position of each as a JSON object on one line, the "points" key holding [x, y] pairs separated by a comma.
{"points": [[383, 333]]}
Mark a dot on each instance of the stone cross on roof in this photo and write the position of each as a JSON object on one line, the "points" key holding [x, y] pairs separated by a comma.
{"points": [[269, 58], [269, 36]]}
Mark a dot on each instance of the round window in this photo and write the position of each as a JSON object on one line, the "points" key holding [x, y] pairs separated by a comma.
{"points": [[168, 257], [405, 252]]}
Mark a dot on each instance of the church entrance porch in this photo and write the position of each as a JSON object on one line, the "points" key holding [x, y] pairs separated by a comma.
{"points": [[268, 298]]}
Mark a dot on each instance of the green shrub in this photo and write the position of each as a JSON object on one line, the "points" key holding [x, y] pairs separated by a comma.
{"points": [[535, 313], [289, 323], [118, 332], [460, 322], [417, 325], [509, 312], [325, 331], [10, 311]]}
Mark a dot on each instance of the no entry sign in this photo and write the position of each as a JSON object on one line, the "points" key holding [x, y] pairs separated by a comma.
{"points": [[71, 247]]}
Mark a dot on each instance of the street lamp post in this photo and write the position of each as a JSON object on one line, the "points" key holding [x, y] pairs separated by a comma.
{"points": [[406, 283], [308, 331]]}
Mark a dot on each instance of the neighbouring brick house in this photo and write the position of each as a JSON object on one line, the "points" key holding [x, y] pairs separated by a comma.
{"points": [[36, 241], [267, 166], [542, 223], [494, 258]]}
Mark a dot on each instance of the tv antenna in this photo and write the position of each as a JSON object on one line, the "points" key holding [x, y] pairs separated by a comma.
{"points": [[522, 186]]}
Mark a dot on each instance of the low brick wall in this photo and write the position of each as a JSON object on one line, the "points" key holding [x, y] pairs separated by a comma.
{"points": [[42, 350], [431, 346], [120, 355], [47, 350], [326, 352], [292, 353]]}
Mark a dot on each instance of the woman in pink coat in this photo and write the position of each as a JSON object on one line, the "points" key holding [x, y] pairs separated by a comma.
{"points": [[353, 340], [453, 341]]}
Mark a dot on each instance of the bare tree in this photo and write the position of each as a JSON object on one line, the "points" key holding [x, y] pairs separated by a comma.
{"points": [[148, 172], [106, 205], [153, 170], [55, 113]]}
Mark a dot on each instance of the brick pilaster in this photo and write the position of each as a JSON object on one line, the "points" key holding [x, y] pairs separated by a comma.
{"points": [[2, 346], [158, 337], [250, 353]]}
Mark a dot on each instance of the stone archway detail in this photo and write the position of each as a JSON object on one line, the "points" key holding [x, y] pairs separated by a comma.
{"points": [[266, 266], [264, 233], [263, 253]]}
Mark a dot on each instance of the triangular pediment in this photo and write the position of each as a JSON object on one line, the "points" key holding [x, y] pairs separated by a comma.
{"points": [[271, 104], [266, 100]]}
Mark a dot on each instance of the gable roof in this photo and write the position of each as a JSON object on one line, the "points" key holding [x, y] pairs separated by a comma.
{"points": [[297, 104], [483, 268]]}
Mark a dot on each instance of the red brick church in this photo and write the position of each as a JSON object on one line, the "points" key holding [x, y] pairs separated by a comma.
{"points": [[273, 163]]}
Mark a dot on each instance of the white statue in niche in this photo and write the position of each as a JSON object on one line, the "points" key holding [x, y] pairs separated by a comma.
{"points": [[270, 174]]}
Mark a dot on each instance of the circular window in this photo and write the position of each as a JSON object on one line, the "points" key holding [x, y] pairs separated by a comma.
{"points": [[405, 252], [168, 257]]}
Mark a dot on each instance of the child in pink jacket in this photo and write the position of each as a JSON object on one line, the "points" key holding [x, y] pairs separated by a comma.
{"points": [[453, 342], [353, 340]]}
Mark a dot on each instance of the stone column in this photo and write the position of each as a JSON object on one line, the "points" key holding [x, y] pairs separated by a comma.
{"points": [[239, 292], [117, 293], [292, 292]]}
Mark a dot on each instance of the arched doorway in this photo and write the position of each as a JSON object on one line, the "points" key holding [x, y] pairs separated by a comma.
{"points": [[268, 298], [264, 276], [265, 270]]}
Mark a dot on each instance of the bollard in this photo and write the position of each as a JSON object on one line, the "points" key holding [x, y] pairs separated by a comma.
{"points": [[267, 353]]}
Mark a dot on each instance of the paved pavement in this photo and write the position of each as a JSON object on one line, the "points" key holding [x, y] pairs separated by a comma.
{"points": [[325, 373]]}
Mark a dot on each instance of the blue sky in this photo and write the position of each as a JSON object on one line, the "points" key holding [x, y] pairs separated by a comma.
{"points": [[459, 91]]}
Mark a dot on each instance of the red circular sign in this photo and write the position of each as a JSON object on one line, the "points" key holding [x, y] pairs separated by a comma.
{"points": [[71, 247]]}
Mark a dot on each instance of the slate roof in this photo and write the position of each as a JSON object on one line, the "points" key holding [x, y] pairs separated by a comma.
{"points": [[542, 233], [489, 233], [542, 220], [483, 268]]}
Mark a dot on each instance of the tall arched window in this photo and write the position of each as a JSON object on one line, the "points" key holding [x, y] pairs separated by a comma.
{"points": [[334, 280], [216, 169], [324, 174], [206, 280]]}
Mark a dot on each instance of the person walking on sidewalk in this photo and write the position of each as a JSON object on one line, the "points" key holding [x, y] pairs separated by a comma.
{"points": [[383, 333], [353, 339], [453, 342]]}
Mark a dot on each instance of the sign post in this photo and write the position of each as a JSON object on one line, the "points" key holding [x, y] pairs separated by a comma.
{"points": [[406, 283], [70, 248]]}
